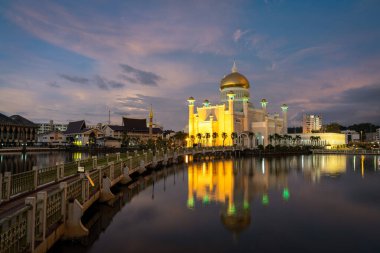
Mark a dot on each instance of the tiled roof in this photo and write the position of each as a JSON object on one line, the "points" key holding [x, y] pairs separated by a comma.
{"points": [[117, 128], [75, 127], [135, 125], [23, 121], [16, 120]]}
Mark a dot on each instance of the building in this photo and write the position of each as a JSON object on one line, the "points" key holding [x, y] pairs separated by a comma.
{"points": [[113, 131], [109, 142], [78, 134], [351, 136], [52, 138], [311, 123], [371, 137], [48, 127], [16, 131], [137, 128], [378, 134], [235, 119], [331, 140]]}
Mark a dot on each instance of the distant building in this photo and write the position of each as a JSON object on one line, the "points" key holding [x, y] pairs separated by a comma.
{"points": [[113, 131], [378, 134], [351, 136], [311, 123], [78, 134], [325, 139], [138, 128], [52, 138], [17, 130], [48, 127], [108, 142], [370, 137]]}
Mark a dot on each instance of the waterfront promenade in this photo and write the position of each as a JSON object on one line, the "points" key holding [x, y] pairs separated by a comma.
{"points": [[41, 206]]}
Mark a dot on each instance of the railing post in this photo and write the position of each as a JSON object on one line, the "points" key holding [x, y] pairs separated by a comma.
{"points": [[42, 196], [63, 187], [31, 222], [35, 177], [85, 192], [112, 168], [117, 156], [94, 162], [58, 170], [7, 181], [107, 157], [130, 163]]}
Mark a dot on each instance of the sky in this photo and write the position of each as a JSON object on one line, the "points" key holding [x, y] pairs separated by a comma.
{"points": [[74, 60]]}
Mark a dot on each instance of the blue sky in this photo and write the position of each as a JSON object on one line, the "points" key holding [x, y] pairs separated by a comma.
{"points": [[66, 60]]}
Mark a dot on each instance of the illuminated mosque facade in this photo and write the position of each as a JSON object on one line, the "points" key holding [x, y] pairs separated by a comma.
{"points": [[214, 125]]}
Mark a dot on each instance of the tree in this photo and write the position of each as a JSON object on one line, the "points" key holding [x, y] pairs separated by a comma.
{"points": [[224, 137], [192, 138], [199, 136], [233, 136], [333, 128], [214, 137], [207, 136], [179, 138], [271, 138], [298, 139]]}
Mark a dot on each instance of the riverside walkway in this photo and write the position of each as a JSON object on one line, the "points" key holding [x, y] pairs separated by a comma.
{"points": [[41, 206], [346, 152]]}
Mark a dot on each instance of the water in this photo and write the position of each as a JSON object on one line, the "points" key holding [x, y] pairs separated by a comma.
{"points": [[295, 204], [20, 162]]}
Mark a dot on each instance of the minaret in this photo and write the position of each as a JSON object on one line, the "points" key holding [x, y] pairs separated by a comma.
{"points": [[245, 111], [264, 103], [150, 122], [231, 97], [191, 101], [284, 108]]}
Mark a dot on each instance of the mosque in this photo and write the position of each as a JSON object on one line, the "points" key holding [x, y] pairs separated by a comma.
{"points": [[235, 121]]}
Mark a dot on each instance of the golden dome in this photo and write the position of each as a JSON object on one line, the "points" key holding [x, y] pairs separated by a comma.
{"points": [[235, 79]]}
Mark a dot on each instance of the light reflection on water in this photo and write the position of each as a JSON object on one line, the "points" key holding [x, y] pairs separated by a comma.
{"points": [[20, 162], [295, 204]]}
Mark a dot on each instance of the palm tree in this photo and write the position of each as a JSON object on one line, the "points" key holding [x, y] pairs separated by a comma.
{"points": [[271, 138], [192, 138], [298, 139], [224, 136], [214, 136], [318, 139], [277, 137], [207, 136], [199, 136], [251, 135], [233, 136]]}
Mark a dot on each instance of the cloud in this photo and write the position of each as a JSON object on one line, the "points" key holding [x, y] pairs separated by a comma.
{"points": [[238, 34], [75, 79], [54, 85], [101, 83], [141, 76]]}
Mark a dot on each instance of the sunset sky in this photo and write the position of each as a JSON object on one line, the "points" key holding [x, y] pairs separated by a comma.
{"points": [[74, 60]]}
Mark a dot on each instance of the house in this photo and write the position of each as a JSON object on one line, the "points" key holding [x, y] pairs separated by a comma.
{"points": [[52, 138], [78, 134]]}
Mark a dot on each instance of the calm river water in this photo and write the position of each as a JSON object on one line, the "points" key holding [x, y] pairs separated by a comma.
{"points": [[320, 203]]}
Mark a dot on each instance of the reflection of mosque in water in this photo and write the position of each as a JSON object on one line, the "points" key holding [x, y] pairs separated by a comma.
{"points": [[235, 183]]}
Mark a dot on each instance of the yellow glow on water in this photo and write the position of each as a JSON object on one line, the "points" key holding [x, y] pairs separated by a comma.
{"points": [[362, 163]]}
